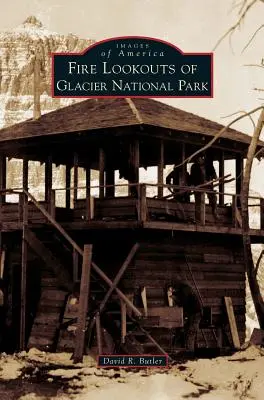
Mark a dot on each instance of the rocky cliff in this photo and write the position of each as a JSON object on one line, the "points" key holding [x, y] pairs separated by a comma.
{"points": [[18, 47]]}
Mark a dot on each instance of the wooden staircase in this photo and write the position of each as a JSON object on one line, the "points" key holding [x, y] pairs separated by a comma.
{"points": [[56, 284]]}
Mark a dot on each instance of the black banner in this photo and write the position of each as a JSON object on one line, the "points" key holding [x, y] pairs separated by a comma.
{"points": [[132, 67]]}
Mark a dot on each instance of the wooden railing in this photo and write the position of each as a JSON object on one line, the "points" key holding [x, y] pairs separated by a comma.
{"points": [[143, 192]]}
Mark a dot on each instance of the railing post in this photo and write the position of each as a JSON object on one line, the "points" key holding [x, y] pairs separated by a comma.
{"points": [[88, 194], [23, 290], [200, 207], [52, 203], [20, 206], [142, 203], [234, 206], [261, 213]]}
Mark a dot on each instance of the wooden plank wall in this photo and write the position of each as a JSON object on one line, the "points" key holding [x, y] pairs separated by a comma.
{"points": [[126, 208], [217, 267]]}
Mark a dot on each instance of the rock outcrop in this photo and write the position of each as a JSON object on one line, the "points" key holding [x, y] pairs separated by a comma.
{"points": [[18, 47]]}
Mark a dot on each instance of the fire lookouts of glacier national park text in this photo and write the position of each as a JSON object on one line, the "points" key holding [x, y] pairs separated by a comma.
{"points": [[127, 69]]}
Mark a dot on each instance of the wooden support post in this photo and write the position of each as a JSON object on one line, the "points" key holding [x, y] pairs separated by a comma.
{"points": [[25, 173], [2, 263], [68, 185], [75, 178], [83, 304], [261, 213], [101, 173], [52, 203], [23, 290], [2, 176], [110, 180], [239, 176], [88, 213], [142, 203], [232, 322], [99, 333], [144, 300], [200, 207], [161, 169], [48, 179], [75, 265], [234, 211], [20, 207], [123, 321], [133, 166], [221, 182]]}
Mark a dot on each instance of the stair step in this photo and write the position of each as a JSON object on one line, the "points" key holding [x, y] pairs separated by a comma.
{"points": [[53, 294], [39, 341], [47, 318]]}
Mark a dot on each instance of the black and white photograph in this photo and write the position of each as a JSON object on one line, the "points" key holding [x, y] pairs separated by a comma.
{"points": [[131, 199]]}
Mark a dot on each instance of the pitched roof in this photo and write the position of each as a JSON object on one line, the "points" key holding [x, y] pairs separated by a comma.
{"points": [[93, 114]]}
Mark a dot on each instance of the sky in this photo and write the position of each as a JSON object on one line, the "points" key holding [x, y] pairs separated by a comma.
{"points": [[191, 25]]}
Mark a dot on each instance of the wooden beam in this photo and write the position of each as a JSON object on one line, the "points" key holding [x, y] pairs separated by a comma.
{"points": [[75, 178], [142, 204], [83, 304], [200, 207], [80, 251], [232, 322], [48, 178], [25, 173], [52, 203], [123, 321], [261, 213], [144, 300], [110, 180], [2, 263], [161, 169], [234, 211], [221, 182], [99, 333], [239, 172], [3, 175], [88, 214], [23, 287], [101, 173], [68, 185], [119, 276], [75, 265], [133, 163], [239, 176]]}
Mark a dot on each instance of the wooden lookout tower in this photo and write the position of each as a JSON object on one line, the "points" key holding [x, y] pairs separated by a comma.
{"points": [[142, 234]]}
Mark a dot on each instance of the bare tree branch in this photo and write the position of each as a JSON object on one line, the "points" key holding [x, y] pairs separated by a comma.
{"points": [[217, 136], [246, 8], [241, 112], [254, 65], [252, 37]]}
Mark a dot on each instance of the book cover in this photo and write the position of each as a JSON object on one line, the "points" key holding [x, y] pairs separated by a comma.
{"points": [[117, 240]]}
